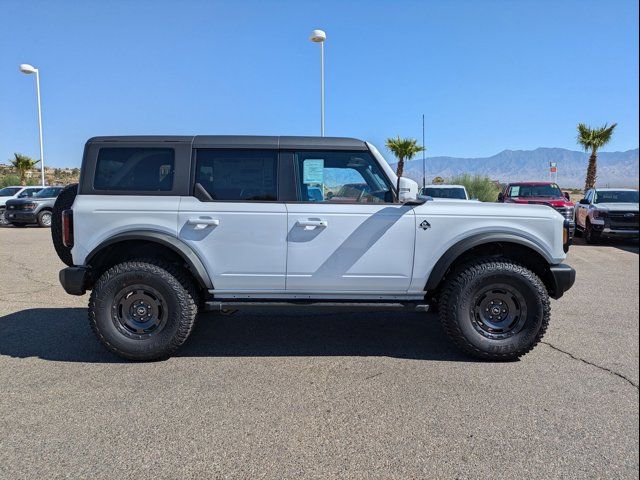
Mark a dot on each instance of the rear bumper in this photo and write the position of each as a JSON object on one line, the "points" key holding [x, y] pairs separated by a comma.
{"points": [[563, 277], [74, 280]]}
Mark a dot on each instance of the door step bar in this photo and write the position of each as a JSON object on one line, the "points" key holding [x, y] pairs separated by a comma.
{"points": [[220, 306]]}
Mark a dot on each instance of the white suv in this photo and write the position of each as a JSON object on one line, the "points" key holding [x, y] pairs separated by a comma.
{"points": [[162, 227]]}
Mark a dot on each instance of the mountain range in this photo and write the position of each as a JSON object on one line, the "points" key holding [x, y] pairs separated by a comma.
{"points": [[615, 169]]}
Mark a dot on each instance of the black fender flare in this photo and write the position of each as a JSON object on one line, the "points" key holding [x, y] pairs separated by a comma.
{"points": [[457, 249], [173, 243]]}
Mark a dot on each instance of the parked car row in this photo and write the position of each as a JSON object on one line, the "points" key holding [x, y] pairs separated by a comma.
{"points": [[603, 212], [22, 206]]}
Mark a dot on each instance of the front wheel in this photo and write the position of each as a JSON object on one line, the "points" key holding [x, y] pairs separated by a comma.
{"points": [[143, 310], [44, 218], [590, 235], [495, 309]]}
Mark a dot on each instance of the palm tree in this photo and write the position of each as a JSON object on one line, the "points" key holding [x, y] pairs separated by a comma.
{"points": [[403, 149], [592, 139], [23, 164]]}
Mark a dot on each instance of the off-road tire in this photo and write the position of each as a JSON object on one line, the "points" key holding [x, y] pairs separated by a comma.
{"points": [[170, 282], [3, 220], [590, 235], [459, 296], [42, 218], [64, 201]]}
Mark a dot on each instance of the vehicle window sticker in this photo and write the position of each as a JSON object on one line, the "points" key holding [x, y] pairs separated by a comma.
{"points": [[313, 171]]}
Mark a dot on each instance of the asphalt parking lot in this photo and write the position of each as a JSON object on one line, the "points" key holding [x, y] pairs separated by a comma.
{"points": [[288, 395]]}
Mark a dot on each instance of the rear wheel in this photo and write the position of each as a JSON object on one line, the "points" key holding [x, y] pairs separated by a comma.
{"points": [[143, 310], [44, 218], [3, 220], [495, 309]]}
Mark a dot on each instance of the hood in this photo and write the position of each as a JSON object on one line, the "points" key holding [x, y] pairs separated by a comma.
{"points": [[550, 201], [467, 208], [617, 207], [22, 201]]}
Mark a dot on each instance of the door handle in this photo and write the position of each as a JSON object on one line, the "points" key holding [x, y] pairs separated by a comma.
{"points": [[202, 223], [312, 223]]}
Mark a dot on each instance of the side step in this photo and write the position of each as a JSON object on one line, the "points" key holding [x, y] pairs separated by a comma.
{"points": [[218, 306]]}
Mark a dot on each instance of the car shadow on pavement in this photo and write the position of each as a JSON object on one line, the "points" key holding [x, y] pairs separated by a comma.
{"points": [[63, 334], [628, 245]]}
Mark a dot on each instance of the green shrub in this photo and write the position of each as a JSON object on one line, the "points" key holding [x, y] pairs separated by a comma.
{"points": [[478, 186], [10, 179]]}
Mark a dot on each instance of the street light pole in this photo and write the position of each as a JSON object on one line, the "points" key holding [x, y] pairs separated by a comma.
{"points": [[319, 36], [29, 69]]}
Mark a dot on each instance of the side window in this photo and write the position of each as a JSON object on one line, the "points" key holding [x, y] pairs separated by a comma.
{"points": [[340, 177], [238, 175], [135, 169]]}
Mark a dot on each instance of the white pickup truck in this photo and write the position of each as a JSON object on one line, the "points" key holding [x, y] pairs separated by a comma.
{"points": [[162, 227]]}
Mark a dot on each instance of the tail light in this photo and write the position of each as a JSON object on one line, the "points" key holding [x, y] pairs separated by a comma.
{"points": [[67, 228]]}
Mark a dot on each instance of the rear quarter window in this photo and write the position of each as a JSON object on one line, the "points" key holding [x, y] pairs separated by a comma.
{"points": [[135, 169]]}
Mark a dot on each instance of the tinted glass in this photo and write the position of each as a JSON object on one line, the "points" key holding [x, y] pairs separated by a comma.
{"points": [[8, 192], [142, 169], [240, 175], [457, 193], [340, 177], [550, 190], [621, 196], [48, 192]]}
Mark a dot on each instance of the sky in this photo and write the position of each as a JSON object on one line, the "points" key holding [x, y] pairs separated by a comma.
{"points": [[487, 75]]}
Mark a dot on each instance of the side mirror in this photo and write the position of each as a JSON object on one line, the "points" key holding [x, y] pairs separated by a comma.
{"points": [[408, 190], [584, 201], [566, 196], [501, 197]]}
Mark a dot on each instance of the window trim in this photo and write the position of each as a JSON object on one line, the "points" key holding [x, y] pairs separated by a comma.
{"points": [[296, 177], [194, 166]]}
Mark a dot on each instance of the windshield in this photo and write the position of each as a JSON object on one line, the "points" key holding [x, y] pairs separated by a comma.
{"points": [[545, 190], [9, 191], [457, 193], [620, 196], [48, 192]]}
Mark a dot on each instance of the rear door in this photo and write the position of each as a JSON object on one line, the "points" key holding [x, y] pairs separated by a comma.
{"points": [[238, 228], [345, 235]]}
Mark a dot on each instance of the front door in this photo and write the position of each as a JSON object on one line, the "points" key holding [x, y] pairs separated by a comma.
{"points": [[240, 232], [345, 235]]}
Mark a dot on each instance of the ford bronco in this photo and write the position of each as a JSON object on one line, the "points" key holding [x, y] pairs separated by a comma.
{"points": [[159, 228]]}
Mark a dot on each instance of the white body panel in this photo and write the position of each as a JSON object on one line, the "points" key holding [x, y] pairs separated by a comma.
{"points": [[244, 246], [100, 217], [362, 248], [452, 222]]}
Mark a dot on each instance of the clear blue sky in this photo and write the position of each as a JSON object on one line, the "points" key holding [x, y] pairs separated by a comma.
{"points": [[488, 75]]}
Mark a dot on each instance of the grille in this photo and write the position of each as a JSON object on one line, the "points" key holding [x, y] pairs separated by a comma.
{"points": [[624, 220]]}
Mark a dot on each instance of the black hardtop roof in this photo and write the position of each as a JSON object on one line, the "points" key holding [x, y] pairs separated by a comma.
{"points": [[242, 141]]}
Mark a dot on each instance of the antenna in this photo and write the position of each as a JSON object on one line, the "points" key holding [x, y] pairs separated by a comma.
{"points": [[424, 170]]}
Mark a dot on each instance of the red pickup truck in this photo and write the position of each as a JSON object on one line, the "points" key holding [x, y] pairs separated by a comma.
{"points": [[542, 193]]}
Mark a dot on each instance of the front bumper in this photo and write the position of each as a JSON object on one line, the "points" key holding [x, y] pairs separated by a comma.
{"points": [[613, 232], [562, 278], [16, 216], [74, 280]]}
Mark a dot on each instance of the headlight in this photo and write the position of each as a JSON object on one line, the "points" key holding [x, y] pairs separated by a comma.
{"points": [[599, 214], [30, 206]]}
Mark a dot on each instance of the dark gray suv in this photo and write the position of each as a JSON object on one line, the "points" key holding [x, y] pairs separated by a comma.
{"points": [[21, 212]]}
